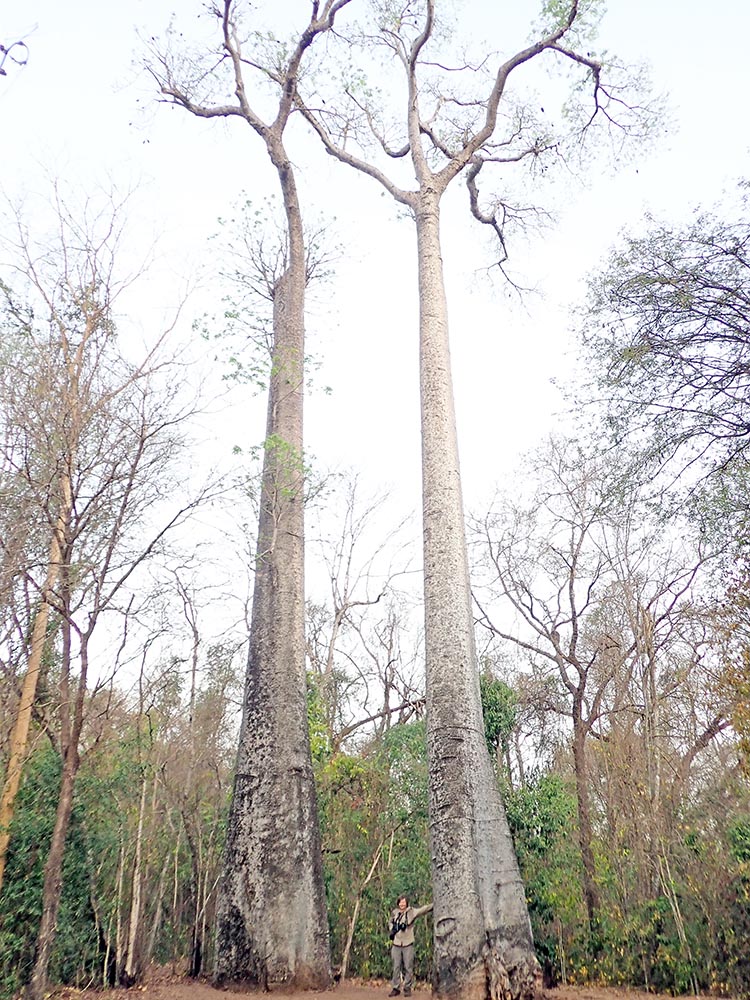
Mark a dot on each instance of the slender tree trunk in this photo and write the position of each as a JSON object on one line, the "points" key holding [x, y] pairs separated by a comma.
{"points": [[157, 917], [119, 947], [357, 906], [667, 883], [176, 916], [109, 967], [200, 920], [71, 723], [196, 944], [131, 966], [19, 739], [272, 924], [102, 924], [585, 834], [483, 943], [52, 886], [654, 834]]}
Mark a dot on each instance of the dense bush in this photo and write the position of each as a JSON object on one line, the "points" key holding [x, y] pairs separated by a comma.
{"points": [[76, 953]]}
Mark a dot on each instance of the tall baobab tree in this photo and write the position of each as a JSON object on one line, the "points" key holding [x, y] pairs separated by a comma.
{"points": [[483, 942], [272, 923]]}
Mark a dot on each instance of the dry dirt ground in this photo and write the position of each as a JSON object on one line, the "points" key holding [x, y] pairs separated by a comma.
{"points": [[166, 987]]}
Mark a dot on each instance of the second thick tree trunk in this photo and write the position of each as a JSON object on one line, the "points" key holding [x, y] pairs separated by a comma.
{"points": [[483, 942]]}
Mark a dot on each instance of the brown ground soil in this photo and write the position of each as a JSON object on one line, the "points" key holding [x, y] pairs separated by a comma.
{"points": [[163, 986]]}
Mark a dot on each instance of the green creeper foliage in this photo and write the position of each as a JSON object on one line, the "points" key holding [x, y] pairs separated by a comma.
{"points": [[320, 742], [499, 708]]}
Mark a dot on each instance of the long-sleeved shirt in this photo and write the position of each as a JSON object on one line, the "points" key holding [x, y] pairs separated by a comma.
{"points": [[406, 920]]}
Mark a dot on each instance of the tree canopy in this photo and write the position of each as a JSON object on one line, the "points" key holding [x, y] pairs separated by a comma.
{"points": [[666, 330]]}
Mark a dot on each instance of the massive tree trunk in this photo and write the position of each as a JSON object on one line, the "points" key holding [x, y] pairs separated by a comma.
{"points": [[272, 924], [483, 942]]}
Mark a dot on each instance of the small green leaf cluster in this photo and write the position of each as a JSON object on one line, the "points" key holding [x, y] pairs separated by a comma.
{"points": [[500, 711]]}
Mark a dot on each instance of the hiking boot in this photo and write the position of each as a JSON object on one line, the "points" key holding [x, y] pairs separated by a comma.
{"points": [[394, 993], [407, 992]]}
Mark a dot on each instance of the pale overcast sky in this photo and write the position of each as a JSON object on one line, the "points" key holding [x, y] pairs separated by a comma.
{"points": [[77, 109]]}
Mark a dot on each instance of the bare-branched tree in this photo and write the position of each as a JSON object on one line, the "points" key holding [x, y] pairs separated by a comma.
{"points": [[89, 446], [600, 603], [360, 650], [666, 341]]}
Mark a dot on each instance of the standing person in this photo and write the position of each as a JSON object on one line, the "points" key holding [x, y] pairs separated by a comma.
{"points": [[401, 931]]}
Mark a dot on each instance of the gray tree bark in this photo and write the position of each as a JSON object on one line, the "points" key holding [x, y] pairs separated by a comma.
{"points": [[271, 916], [272, 924], [483, 941], [131, 970]]}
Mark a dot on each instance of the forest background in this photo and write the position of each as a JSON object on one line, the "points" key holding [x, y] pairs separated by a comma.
{"points": [[659, 584]]}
